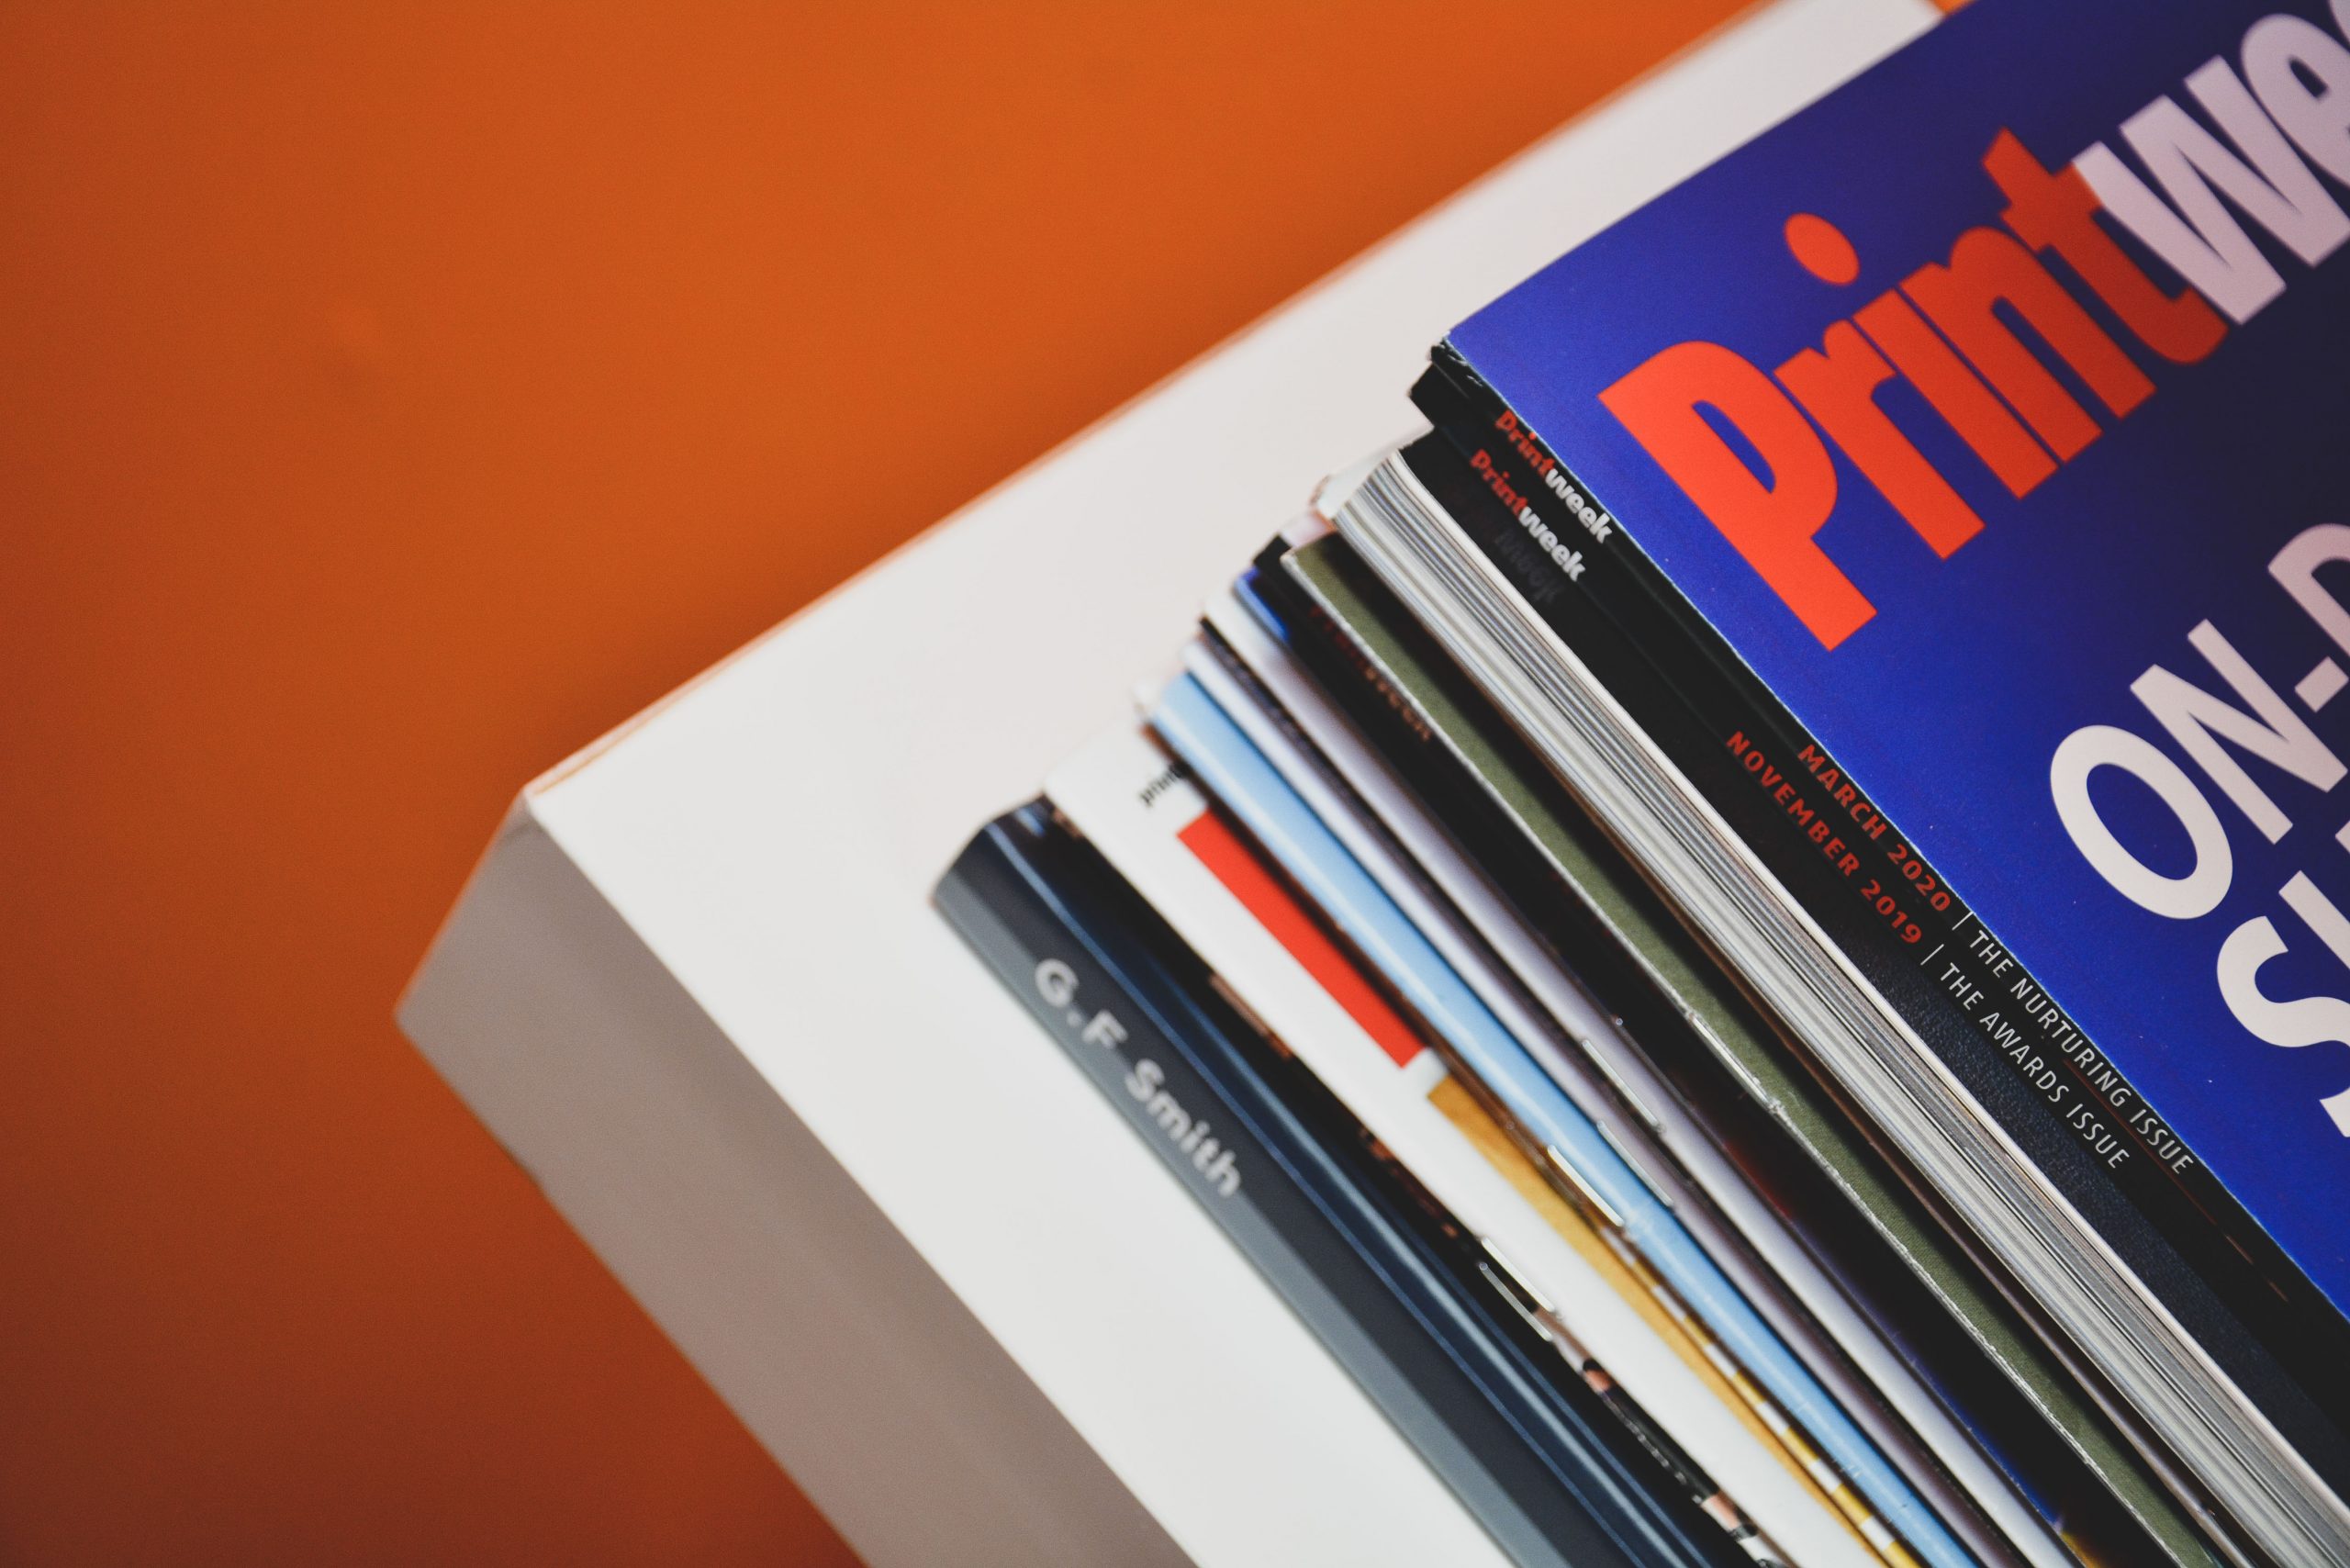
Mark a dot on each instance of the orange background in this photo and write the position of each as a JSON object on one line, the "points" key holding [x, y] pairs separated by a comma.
{"points": [[392, 400]]}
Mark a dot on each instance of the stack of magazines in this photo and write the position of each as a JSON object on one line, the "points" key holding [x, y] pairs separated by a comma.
{"points": [[1749, 926]]}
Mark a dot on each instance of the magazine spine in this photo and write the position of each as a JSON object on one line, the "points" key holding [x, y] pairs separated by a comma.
{"points": [[1272, 1184]]}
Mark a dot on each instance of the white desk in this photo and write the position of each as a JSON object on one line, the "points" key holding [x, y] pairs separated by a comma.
{"points": [[696, 986]]}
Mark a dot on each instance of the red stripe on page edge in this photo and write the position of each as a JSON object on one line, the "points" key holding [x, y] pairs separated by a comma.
{"points": [[1212, 841]]}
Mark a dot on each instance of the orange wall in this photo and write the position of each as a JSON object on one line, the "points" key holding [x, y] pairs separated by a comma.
{"points": [[393, 399]]}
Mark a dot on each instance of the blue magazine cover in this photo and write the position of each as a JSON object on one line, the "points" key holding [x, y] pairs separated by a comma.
{"points": [[1994, 411]]}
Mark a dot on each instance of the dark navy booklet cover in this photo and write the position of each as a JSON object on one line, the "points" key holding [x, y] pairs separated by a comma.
{"points": [[1994, 409]]}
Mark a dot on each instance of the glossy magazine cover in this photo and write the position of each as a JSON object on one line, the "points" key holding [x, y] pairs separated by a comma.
{"points": [[1990, 411]]}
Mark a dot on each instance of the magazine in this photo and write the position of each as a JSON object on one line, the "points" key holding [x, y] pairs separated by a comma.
{"points": [[2011, 775]]}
